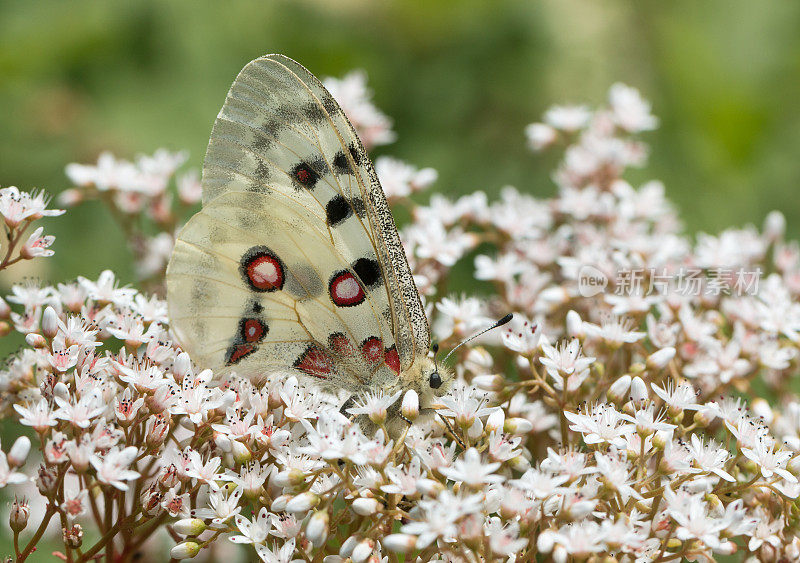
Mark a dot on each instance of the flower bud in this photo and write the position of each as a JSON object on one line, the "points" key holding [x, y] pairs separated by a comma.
{"points": [[19, 451], [400, 543], [241, 453], [302, 503], [575, 325], [73, 536], [774, 226], [518, 426], [638, 390], [181, 366], [289, 477], [761, 408], [347, 547], [365, 506], [659, 360], [618, 391], [185, 550], [410, 405], [317, 528], [189, 526], [18, 519], [49, 322], [476, 430], [546, 541], [61, 390], [5, 310], [363, 550], [5, 329], [279, 504], [493, 382], [496, 420], [35, 340], [47, 479], [520, 463]]}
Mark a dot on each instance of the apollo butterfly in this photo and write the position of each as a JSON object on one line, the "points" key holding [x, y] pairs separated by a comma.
{"points": [[294, 264]]}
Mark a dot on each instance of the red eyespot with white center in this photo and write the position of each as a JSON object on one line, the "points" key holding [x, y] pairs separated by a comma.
{"points": [[262, 270], [345, 289], [372, 350], [314, 361], [252, 330], [392, 359]]}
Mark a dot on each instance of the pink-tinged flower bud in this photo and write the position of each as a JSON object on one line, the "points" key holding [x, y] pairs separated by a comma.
{"points": [[363, 550], [35, 340], [241, 453], [365, 506], [19, 451], [18, 519], [476, 430], [279, 504], [302, 503], [5, 329], [181, 366], [560, 554], [575, 325], [518, 426], [189, 526], [400, 543], [47, 479], [5, 310], [73, 536], [659, 360], [409, 408], [492, 382], [618, 392], [185, 550], [496, 420], [729, 548], [638, 390], [348, 546], [317, 528], [49, 322]]}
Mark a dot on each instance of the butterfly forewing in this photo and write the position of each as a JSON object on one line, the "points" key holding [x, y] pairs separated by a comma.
{"points": [[281, 134]]}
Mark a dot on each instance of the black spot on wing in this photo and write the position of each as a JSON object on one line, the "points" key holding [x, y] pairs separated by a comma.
{"points": [[330, 104], [356, 153], [337, 210], [314, 113], [368, 270], [358, 206], [304, 175], [341, 164], [262, 170]]}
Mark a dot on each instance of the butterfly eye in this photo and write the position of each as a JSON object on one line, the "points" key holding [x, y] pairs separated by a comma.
{"points": [[435, 380]]}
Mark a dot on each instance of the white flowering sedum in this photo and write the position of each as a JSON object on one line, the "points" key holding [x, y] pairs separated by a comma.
{"points": [[646, 421]]}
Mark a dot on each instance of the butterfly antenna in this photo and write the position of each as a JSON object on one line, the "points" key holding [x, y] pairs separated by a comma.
{"points": [[501, 322]]}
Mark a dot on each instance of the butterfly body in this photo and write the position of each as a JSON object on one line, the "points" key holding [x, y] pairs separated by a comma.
{"points": [[294, 265]]}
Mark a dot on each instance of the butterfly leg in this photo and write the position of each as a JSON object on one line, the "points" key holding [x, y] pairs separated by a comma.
{"points": [[348, 404], [452, 432]]}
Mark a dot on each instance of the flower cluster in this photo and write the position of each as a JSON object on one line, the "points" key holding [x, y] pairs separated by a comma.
{"points": [[141, 196], [19, 210], [627, 422]]}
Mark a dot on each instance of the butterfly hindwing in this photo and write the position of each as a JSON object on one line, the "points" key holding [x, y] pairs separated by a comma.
{"points": [[281, 135], [257, 284]]}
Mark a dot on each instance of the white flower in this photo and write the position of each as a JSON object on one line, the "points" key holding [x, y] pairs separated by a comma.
{"points": [[710, 457], [471, 470], [375, 405], [275, 555], [255, 531], [568, 118], [630, 110], [601, 424], [372, 126], [771, 459], [399, 179], [565, 363], [39, 416], [224, 505], [111, 468]]}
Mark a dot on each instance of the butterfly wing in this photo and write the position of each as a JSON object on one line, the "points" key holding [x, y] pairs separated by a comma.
{"points": [[280, 133], [258, 282]]}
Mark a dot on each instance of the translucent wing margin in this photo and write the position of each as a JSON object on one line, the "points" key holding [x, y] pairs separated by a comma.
{"points": [[279, 132]]}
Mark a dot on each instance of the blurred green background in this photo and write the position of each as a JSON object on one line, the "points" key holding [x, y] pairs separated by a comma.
{"points": [[461, 80]]}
